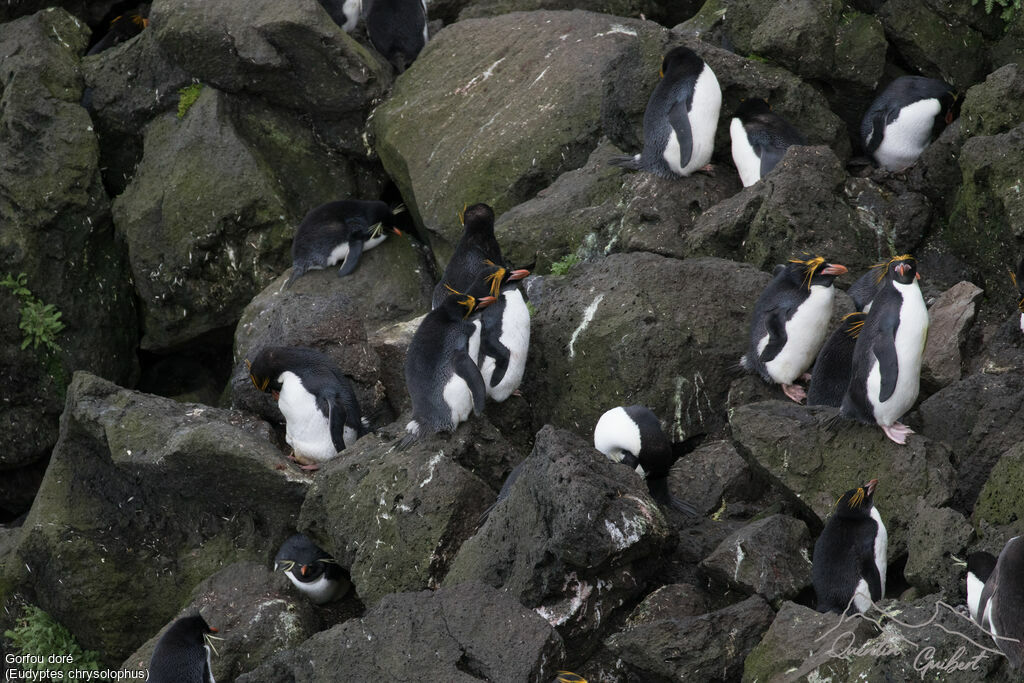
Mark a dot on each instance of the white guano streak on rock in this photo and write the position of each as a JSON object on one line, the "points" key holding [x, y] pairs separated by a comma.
{"points": [[433, 463], [739, 561], [481, 78], [617, 28], [588, 315]]}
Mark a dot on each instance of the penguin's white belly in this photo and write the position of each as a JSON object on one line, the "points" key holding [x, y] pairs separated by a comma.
{"points": [[707, 102], [805, 333], [881, 547], [743, 155], [974, 588], [906, 137], [340, 252], [459, 399], [1022, 322], [910, 339], [308, 431], [320, 591], [351, 9], [862, 596], [515, 336]]}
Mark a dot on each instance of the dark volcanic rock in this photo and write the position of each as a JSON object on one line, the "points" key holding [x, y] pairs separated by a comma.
{"points": [[934, 536], [999, 512], [714, 476], [461, 634], [576, 538], [996, 105], [950, 320]]}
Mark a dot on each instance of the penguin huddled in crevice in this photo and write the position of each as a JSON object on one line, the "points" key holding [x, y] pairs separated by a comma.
{"points": [[182, 655], [760, 138], [850, 554], [904, 119], [311, 570], [680, 119], [122, 28], [1000, 606]]}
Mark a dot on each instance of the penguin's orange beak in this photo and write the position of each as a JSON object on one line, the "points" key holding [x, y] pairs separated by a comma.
{"points": [[396, 231], [917, 276], [303, 570], [518, 274], [834, 269], [484, 302], [870, 486], [902, 269], [214, 630]]}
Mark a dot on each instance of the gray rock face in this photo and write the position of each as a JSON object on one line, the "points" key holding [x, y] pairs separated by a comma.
{"points": [[996, 105], [577, 537], [998, 514], [713, 476], [935, 534], [143, 499], [950, 318], [460, 634]]}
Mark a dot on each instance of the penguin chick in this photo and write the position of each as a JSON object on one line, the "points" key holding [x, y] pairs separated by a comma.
{"points": [[904, 118], [979, 568], [833, 367], [122, 28], [790, 321], [759, 139], [182, 655], [886, 373], [850, 554], [441, 374], [1002, 602], [340, 231], [311, 570], [397, 29], [680, 119], [1018, 283], [633, 436], [320, 409]]}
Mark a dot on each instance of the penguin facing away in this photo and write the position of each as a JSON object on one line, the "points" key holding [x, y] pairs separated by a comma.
{"points": [[833, 367], [979, 567], [397, 29], [903, 119], [1018, 283], [320, 408], [632, 435], [760, 138], [1002, 602], [790, 321], [182, 655], [867, 285], [886, 371], [311, 570], [680, 119], [850, 554], [340, 231]]}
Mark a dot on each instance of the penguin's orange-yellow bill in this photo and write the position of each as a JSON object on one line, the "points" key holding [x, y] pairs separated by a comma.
{"points": [[276, 395], [518, 274], [835, 269], [303, 569], [485, 301], [214, 630], [569, 677], [397, 231]]}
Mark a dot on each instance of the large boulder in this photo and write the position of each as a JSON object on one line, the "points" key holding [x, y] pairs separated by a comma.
{"points": [[936, 535], [995, 105], [144, 498], [950, 319], [999, 513]]}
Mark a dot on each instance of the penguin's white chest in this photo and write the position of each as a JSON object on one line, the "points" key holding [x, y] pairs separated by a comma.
{"points": [[703, 116], [459, 399], [862, 593], [1022, 322], [308, 431], [743, 155], [340, 252], [320, 591], [906, 137], [805, 333], [351, 9], [515, 336], [910, 340], [974, 588]]}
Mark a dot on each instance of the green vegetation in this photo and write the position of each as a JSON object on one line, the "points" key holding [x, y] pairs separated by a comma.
{"points": [[40, 323], [1009, 8], [187, 96], [754, 57], [39, 635], [532, 309], [562, 267]]}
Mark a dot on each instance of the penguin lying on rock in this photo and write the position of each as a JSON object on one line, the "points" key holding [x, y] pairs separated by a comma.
{"points": [[311, 570], [790, 322], [904, 118], [760, 139], [1000, 607], [850, 554], [183, 653]]}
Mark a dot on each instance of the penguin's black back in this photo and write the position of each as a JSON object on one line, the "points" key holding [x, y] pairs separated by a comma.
{"points": [[867, 285], [901, 92], [396, 29], [885, 307], [768, 133], [335, 223], [180, 655], [785, 292], [833, 368], [655, 454], [842, 552], [476, 246]]}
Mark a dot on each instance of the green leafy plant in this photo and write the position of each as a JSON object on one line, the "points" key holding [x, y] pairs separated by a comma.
{"points": [[187, 96], [39, 635], [532, 309], [40, 323], [1009, 8], [562, 266]]}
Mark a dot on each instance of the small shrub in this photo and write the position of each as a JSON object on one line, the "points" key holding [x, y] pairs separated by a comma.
{"points": [[40, 323], [1009, 8], [562, 267], [187, 96], [38, 634]]}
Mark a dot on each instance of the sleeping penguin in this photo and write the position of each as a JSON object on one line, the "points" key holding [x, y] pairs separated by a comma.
{"points": [[979, 568], [790, 321], [833, 367], [182, 655], [680, 119], [1018, 283], [1001, 606], [340, 231], [633, 436], [320, 408], [850, 555], [760, 138], [397, 29], [903, 120], [441, 374], [886, 371], [311, 570]]}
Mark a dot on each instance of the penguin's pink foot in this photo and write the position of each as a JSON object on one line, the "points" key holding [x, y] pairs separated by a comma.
{"points": [[517, 393], [795, 392], [707, 168], [806, 377], [897, 432], [309, 468]]}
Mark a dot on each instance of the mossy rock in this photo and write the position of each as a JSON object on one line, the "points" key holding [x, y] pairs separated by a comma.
{"points": [[1000, 503], [995, 106]]}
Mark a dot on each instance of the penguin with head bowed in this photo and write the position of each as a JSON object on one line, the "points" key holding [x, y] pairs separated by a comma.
{"points": [[904, 118], [397, 29], [441, 374], [320, 409], [760, 138], [833, 367], [680, 119], [979, 568], [790, 322], [1001, 606], [340, 231], [311, 570], [886, 373], [122, 28], [182, 655], [1018, 283], [850, 554], [632, 435]]}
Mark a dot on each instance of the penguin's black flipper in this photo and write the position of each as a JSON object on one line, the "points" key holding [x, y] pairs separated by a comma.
{"points": [[355, 250], [658, 487], [331, 405], [775, 324], [869, 570], [467, 370], [490, 345], [877, 133], [884, 349], [679, 119], [298, 270]]}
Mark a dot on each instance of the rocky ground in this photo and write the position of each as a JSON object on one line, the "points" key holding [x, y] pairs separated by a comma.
{"points": [[143, 477]]}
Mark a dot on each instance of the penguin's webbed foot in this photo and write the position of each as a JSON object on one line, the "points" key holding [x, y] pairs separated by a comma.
{"points": [[897, 431], [806, 377], [795, 392], [309, 468], [708, 169]]}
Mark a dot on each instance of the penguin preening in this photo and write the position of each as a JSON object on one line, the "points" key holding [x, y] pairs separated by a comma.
{"points": [[886, 373], [504, 329], [311, 570], [790, 321], [833, 367], [320, 408], [182, 655], [903, 119], [632, 435], [1001, 605], [1018, 283], [760, 138], [441, 374], [979, 568], [397, 29], [340, 231], [680, 119], [850, 554]]}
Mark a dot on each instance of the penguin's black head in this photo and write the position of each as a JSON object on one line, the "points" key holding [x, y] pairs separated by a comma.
{"points": [[478, 218], [981, 565], [751, 108], [459, 306], [1018, 282], [266, 370], [948, 104], [813, 270], [857, 503], [495, 277], [902, 269], [303, 558], [189, 630], [681, 61]]}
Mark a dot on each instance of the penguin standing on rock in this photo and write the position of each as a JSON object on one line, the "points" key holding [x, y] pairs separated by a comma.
{"points": [[633, 436], [182, 655], [790, 322], [760, 138], [680, 119], [340, 231], [902, 120], [1018, 283], [850, 555], [886, 373], [311, 570], [833, 367], [504, 328], [320, 408], [1001, 606], [397, 29]]}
